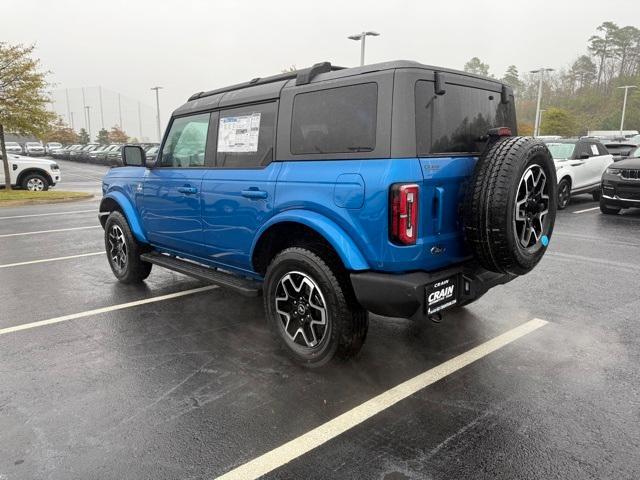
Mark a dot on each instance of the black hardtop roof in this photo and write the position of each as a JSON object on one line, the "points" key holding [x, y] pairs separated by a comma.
{"points": [[269, 87]]}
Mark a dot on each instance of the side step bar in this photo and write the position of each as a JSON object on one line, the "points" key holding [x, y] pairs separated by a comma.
{"points": [[244, 286]]}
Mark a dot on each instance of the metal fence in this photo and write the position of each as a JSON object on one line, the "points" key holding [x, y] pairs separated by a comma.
{"points": [[94, 108]]}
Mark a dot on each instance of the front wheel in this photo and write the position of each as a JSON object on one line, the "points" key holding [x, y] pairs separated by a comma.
{"points": [[607, 210], [311, 309], [123, 250], [34, 182], [564, 194], [596, 195]]}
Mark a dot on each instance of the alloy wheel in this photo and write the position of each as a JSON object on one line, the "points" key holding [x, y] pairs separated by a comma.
{"points": [[35, 185], [301, 309], [117, 248], [532, 206]]}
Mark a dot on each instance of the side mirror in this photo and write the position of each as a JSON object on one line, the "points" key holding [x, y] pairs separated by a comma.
{"points": [[584, 156], [133, 156]]}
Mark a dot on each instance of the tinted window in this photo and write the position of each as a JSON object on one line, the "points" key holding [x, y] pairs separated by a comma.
{"points": [[602, 150], [186, 142], [246, 136], [583, 149], [338, 120], [454, 122]]}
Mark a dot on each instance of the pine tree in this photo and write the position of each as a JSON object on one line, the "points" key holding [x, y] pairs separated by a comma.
{"points": [[83, 136]]}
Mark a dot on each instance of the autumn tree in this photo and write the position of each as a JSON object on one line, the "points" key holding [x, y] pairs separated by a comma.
{"points": [[117, 135], [23, 97], [83, 136], [103, 136], [476, 66], [60, 132]]}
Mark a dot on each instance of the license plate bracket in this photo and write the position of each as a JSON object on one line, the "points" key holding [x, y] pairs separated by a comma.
{"points": [[441, 294]]}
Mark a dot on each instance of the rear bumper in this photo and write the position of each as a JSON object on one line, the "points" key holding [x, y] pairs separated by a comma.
{"points": [[404, 295]]}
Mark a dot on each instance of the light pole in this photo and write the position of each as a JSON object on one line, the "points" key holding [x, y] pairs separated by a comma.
{"points": [[541, 72], [624, 105], [157, 109], [88, 107], [542, 110], [362, 36]]}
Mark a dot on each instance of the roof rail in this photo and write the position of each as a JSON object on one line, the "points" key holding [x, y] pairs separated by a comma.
{"points": [[302, 77]]}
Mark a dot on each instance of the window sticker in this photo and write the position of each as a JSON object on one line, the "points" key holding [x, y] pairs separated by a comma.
{"points": [[594, 149], [239, 134]]}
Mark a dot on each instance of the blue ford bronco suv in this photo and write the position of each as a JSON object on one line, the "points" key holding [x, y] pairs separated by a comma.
{"points": [[396, 188]]}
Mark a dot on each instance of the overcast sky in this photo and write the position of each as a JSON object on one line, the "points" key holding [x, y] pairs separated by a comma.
{"points": [[193, 45]]}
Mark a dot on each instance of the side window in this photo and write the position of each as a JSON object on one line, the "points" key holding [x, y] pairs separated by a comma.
{"points": [[337, 120], [583, 149], [186, 142], [602, 150], [246, 136]]}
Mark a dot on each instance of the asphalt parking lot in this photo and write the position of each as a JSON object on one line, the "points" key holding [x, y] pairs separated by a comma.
{"points": [[174, 380]]}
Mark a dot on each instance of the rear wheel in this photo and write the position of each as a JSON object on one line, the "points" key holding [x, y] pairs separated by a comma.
{"points": [[311, 308], [564, 194], [607, 210], [123, 250]]}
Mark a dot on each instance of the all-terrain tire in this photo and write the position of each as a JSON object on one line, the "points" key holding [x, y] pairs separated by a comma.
{"points": [[125, 261], [346, 321], [495, 227]]}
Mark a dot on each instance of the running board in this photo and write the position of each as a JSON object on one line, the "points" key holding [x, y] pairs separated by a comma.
{"points": [[244, 286]]}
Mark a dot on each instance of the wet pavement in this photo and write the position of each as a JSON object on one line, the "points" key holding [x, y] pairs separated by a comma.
{"points": [[194, 386]]}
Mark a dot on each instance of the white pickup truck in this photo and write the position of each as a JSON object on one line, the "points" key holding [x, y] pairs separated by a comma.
{"points": [[34, 174]]}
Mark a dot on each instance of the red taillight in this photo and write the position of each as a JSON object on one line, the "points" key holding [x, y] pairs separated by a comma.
{"points": [[500, 132], [404, 213]]}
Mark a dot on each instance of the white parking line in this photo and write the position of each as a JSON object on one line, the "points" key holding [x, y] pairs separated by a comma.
{"points": [[45, 260], [97, 311], [48, 231], [327, 431], [587, 210], [52, 213]]}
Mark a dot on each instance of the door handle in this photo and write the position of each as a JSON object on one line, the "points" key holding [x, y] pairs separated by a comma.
{"points": [[254, 193], [188, 190]]}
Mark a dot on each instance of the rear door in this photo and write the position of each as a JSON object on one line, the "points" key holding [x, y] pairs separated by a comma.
{"points": [[238, 192], [581, 166], [171, 200]]}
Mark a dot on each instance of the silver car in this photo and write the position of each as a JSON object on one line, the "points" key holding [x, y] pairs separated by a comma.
{"points": [[34, 149]]}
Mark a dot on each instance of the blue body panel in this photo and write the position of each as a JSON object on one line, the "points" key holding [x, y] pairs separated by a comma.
{"points": [[346, 201]]}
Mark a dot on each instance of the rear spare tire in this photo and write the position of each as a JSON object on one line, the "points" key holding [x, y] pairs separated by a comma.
{"points": [[510, 205]]}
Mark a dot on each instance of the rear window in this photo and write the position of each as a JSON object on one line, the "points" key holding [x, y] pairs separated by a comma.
{"points": [[561, 151], [455, 121], [337, 120]]}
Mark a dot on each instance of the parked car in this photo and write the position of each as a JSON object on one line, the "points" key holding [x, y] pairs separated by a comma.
{"points": [[80, 154], [101, 156], [619, 150], [34, 149], [31, 173], [52, 147], [151, 153], [621, 185], [13, 147], [114, 157], [93, 154], [64, 152], [328, 211], [635, 140], [580, 164]]}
